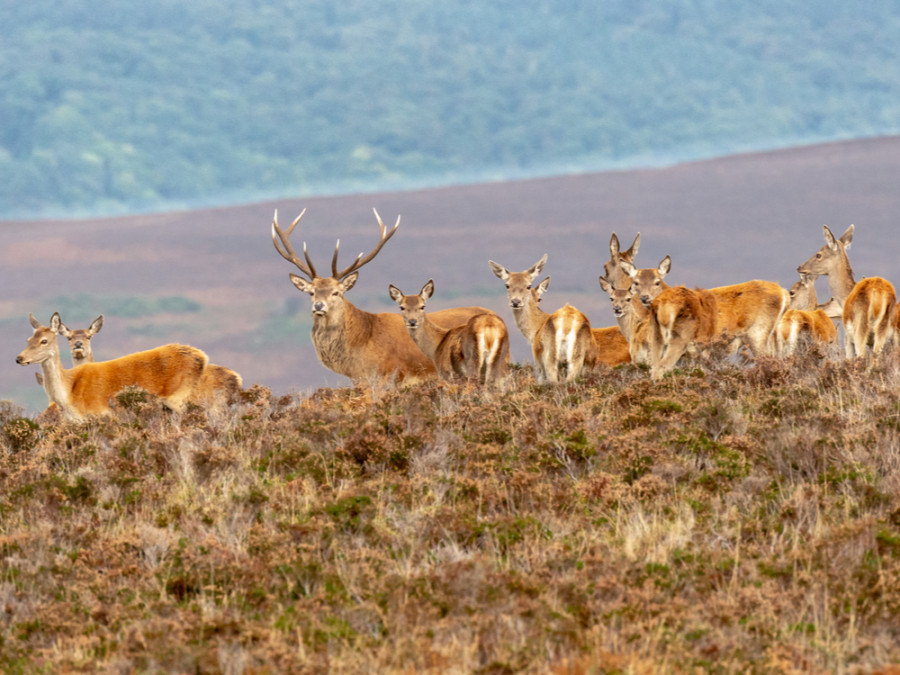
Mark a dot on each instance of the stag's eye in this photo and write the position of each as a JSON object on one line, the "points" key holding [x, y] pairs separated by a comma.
{"points": [[818, 256], [335, 294]]}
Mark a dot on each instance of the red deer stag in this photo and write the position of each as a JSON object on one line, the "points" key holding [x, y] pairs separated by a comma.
{"points": [[348, 340], [867, 305], [171, 372], [477, 349]]}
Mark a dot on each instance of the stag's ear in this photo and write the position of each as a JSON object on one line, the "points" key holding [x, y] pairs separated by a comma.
{"points": [[34, 322], [96, 325], [396, 293], [301, 284], [348, 282], [499, 270]]}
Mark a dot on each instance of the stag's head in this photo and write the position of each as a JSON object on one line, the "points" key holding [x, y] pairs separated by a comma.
{"points": [[43, 343], [832, 256], [519, 284], [80, 340], [412, 307], [326, 293]]}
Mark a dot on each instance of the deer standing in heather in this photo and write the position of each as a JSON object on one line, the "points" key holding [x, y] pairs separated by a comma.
{"points": [[476, 349], [804, 320], [350, 341], [868, 305], [552, 345], [171, 372], [679, 319]]}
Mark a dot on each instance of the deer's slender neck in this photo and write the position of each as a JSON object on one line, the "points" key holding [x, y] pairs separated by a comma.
{"points": [[57, 384], [529, 317], [428, 336], [840, 280]]}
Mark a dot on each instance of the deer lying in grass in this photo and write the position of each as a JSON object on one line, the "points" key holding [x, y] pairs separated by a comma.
{"points": [[868, 305], [804, 320], [609, 345], [171, 372], [348, 340], [477, 349], [679, 319]]}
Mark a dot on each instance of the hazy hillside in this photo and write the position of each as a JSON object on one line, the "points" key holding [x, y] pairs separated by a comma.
{"points": [[108, 107], [213, 279]]}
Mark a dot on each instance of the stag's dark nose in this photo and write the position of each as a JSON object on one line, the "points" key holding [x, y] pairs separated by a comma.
{"points": [[319, 307]]}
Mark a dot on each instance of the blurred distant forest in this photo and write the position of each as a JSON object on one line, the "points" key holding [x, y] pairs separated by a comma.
{"points": [[111, 106]]}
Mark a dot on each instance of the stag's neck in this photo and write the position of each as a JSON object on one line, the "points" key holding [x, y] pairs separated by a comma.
{"points": [[841, 281], [530, 317], [58, 385], [335, 336]]}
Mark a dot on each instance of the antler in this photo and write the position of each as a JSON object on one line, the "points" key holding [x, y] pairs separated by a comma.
{"points": [[282, 240], [360, 260], [287, 251]]}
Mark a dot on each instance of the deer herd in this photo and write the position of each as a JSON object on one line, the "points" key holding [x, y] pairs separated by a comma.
{"points": [[657, 324]]}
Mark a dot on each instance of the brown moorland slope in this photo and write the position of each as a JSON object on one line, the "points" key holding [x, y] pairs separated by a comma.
{"points": [[722, 221]]}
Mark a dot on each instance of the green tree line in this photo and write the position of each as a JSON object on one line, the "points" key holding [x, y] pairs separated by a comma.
{"points": [[110, 106]]}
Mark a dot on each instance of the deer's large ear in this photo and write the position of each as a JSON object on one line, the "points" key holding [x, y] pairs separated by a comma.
{"points": [[55, 322], [301, 283], [847, 237], [664, 266], [427, 290], [499, 270], [96, 325], [348, 282], [542, 287], [629, 269], [34, 322], [536, 269], [396, 293]]}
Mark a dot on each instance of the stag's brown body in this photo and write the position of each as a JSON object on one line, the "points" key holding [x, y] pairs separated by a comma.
{"points": [[348, 340]]}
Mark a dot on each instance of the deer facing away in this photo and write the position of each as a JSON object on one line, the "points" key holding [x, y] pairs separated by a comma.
{"points": [[477, 349]]}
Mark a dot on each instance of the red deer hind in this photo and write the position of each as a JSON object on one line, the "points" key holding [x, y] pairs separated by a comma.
{"points": [[477, 349]]}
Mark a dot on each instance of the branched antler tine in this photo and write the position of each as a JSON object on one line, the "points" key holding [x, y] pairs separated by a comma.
{"points": [[282, 241], [362, 259]]}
